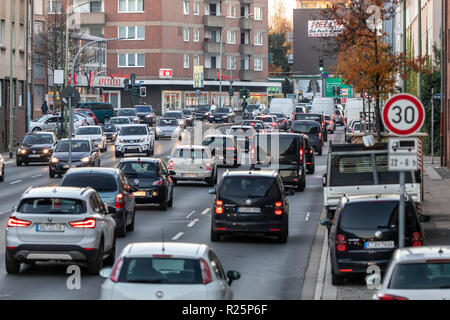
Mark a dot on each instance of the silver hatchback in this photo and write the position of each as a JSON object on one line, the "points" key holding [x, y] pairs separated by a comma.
{"points": [[60, 224]]}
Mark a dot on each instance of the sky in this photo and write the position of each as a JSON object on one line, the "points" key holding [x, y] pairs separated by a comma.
{"points": [[289, 4]]}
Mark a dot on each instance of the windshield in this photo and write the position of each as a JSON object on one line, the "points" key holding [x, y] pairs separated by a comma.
{"points": [[188, 153], [222, 110], [234, 188], [138, 169], [167, 122], [127, 112], [161, 270], [283, 147], [187, 112], [37, 139], [51, 206], [109, 128], [77, 146], [252, 107], [306, 116], [368, 215], [146, 109], [97, 181], [120, 121], [421, 275], [242, 131], [203, 108], [305, 128], [88, 130], [40, 119], [133, 131], [176, 115]]}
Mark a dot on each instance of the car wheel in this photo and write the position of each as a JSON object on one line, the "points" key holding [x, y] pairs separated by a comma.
{"points": [[109, 261], [12, 266], [122, 232], [96, 264], [210, 181], [282, 238], [174, 181], [51, 174], [336, 280], [163, 204], [2, 177], [215, 236], [301, 186], [19, 163], [130, 227], [36, 129], [320, 152]]}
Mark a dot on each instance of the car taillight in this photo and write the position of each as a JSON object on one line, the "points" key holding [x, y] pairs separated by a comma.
{"points": [[208, 166], [115, 273], [278, 204], [320, 134], [300, 152], [158, 182], [170, 165], [89, 223], [390, 297], [119, 201], [278, 212], [274, 124], [252, 154], [416, 239], [219, 202], [206, 273], [341, 242], [14, 222]]}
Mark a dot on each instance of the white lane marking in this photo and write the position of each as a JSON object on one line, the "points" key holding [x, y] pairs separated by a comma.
{"points": [[191, 224], [107, 156], [177, 236], [190, 214], [36, 176], [15, 182], [206, 211], [307, 216]]}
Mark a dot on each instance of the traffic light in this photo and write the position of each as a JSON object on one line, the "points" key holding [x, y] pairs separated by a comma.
{"points": [[142, 91], [231, 91], [321, 65]]}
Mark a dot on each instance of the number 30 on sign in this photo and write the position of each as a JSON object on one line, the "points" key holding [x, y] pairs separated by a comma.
{"points": [[403, 114]]}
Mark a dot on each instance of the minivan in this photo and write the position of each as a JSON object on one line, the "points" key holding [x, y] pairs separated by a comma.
{"points": [[323, 105], [102, 111]]}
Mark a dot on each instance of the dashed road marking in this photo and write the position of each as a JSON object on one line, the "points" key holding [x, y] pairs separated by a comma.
{"points": [[190, 214], [177, 236], [206, 211], [307, 216], [191, 224], [14, 182], [36, 176]]}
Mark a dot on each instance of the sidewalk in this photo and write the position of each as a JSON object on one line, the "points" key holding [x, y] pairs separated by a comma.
{"points": [[6, 158]]}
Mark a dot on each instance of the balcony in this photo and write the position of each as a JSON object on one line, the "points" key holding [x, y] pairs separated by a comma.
{"points": [[214, 21], [247, 1], [246, 75], [97, 18], [211, 74], [246, 49], [246, 24], [211, 46]]}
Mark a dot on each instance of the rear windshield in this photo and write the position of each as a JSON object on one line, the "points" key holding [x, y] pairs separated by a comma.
{"points": [[138, 169], [241, 131], [249, 187], [88, 130], [368, 215], [97, 181], [52, 206], [133, 131], [127, 112], [283, 147], [191, 153], [176, 115], [417, 276], [222, 110], [109, 128], [265, 119], [203, 108], [306, 116], [218, 142], [37, 139], [120, 120], [146, 109], [77, 146], [187, 112], [305, 128], [161, 270]]}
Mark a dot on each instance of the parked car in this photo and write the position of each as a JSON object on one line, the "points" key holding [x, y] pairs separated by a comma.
{"points": [[135, 138], [131, 113], [365, 232], [88, 113], [86, 119], [222, 114], [223, 148], [146, 114], [189, 116], [84, 154], [60, 224], [312, 129], [114, 190], [177, 115], [46, 122], [243, 135], [150, 177], [193, 163], [167, 271], [202, 111], [110, 132], [95, 133], [103, 111], [2, 168], [36, 147], [418, 273], [250, 202], [119, 122], [168, 128]]}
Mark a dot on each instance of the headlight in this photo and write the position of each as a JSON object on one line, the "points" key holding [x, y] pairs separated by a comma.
{"points": [[23, 151], [85, 159], [148, 116], [143, 140], [120, 140], [54, 160], [45, 151]]}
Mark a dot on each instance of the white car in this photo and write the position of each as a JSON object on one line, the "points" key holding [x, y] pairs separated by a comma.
{"points": [[2, 168], [95, 133], [87, 119], [135, 138], [45, 122], [416, 273], [193, 163], [119, 122], [167, 271]]}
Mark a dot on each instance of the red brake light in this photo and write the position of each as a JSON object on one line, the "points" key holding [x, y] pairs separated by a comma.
{"points": [[341, 242], [170, 165], [86, 223], [301, 154], [278, 204], [157, 182], [208, 166], [161, 255], [206, 273], [219, 202], [14, 222], [390, 297], [278, 212], [119, 201], [416, 239], [219, 210], [116, 270]]}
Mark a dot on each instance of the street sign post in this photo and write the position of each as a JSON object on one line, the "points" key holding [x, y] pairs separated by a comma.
{"points": [[403, 115], [70, 97]]}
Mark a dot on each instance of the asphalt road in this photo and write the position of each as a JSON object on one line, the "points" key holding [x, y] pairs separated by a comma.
{"points": [[268, 270]]}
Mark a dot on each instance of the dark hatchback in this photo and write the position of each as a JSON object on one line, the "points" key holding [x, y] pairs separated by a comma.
{"points": [[316, 117], [202, 111], [365, 232], [110, 131], [146, 114], [250, 203], [312, 129], [114, 190], [36, 147], [223, 114], [150, 179], [284, 152], [84, 154]]}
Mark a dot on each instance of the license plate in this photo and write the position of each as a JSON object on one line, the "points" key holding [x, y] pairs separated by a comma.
{"points": [[286, 174], [248, 210], [50, 227], [34, 155], [379, 245], [140, 193], [189, 175], [132, 149]]}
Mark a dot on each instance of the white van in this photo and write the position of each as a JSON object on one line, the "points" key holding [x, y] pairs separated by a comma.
{"points": [[353, 109], [323, 105], [282, 105]]}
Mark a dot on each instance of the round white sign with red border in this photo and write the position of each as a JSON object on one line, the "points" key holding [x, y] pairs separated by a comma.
{"points": [[403, 114], [366, 96]]}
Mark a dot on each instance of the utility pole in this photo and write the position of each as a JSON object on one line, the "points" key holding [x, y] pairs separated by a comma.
{"points": [[404, 42], [419, 36], [442, 128], [11, 83]]}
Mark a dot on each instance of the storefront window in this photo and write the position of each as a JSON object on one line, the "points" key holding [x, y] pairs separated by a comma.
{"points": [[256, 98], [191, 99], [112, 97], [172, 100]]}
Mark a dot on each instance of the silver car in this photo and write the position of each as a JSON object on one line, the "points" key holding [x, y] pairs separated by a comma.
{"points": [[60, 224]]}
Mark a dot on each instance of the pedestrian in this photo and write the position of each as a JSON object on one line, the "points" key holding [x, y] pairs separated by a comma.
{"points": [[44, 107]]}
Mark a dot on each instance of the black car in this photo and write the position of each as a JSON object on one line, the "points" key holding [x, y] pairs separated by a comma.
{"points": [[223, 148], [202, 111], [113, 188], [84, 154], [150, 179], [36, 147], [288, 156], [339, 117], [258, 125], [365, 232], [310, 156], [316, 117], [110, 131], [146, 114], [250, 203], [312, 129], [221, 114], [189, 116]]}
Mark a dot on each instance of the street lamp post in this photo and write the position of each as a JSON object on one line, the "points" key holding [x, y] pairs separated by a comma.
{"points": [[220, 54]]}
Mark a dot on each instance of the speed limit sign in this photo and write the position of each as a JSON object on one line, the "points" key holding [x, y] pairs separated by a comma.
{"points": [[366, 96], [403, 114]]}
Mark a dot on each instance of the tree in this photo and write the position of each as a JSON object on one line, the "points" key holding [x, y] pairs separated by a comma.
{"points": [[279, 28], [364, 59], [278, 22]]}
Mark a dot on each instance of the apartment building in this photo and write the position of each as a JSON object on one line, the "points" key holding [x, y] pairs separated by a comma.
{"points": [[19, 22]]}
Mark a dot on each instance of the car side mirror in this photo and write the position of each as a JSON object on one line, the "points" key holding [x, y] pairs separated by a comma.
{"points": [[212, 191], [289, 192], [105, 273], [424, 218], [326, 222], [233, 275]]}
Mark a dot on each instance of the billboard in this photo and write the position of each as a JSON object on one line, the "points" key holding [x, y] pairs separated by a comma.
{"points": [[324, 28]]}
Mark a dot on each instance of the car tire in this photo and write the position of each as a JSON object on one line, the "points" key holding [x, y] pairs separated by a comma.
{"points": [[336, 280], [163, 204], [215, 237], [302, 185], [122, 232], [311, 169], [96, 264], [2, 177], [12, 266], [36, 129], [210, 181], [51, 174], [282, 238], [320, 151], [18, 163], [174, 181], [130, 227], [109, 261]]}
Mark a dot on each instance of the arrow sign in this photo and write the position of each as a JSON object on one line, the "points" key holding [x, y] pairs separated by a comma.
{"points": [[403, 114]]}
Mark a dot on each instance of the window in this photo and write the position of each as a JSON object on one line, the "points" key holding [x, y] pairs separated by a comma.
{"points": [[39, 7], [99, 181], [38, 67], [54, 6], [232, 11], [186, 61], [131, 6], [96, 6], [231, 63], [20, 93], [196, 35], [21, 36], [258, 13], [258, 64], [97, 32], [186, 7], [258, 39], [196, 60], [186, 34], [2, 32], [231, 37], [132, 33], [131, 60], [196, 8]]}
